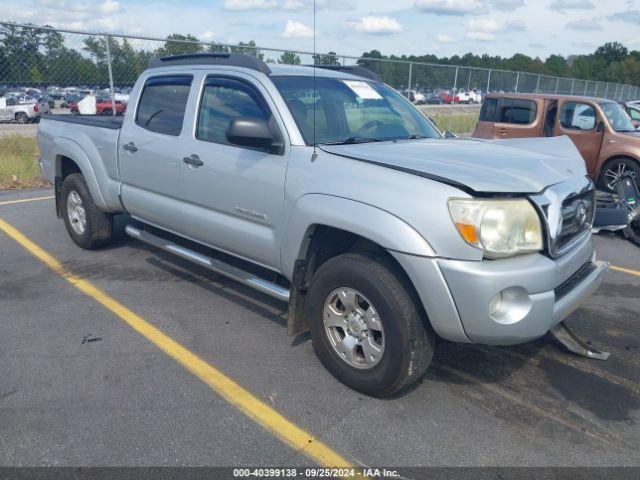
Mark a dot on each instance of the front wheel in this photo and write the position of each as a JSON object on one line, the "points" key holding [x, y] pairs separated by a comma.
{"points": [[367, 327], [87, 225], [632, 232]]}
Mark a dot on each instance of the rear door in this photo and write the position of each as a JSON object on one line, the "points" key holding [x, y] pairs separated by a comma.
{"points": [[517, 118], [150, 151], [579, 120]]}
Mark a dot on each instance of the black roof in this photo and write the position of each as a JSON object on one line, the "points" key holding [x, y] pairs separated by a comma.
{"points": [[234, 59]]}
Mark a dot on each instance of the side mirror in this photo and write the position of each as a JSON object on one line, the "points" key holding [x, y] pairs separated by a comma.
{"points": [[252, 132], [600, 127]]}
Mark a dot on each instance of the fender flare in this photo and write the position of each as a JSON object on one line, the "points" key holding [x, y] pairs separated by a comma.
{"points": [[368, 221], [65, 147]]}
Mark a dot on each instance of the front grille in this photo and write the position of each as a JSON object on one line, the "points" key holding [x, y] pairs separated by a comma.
{"points": [[577, 217]]}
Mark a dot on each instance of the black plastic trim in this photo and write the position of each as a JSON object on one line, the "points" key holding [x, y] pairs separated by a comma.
{"points": [[353, 70], [229, 59]]}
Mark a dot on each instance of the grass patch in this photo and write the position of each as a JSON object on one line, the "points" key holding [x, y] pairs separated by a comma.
{"points": [[458, 123], [19, 163]]}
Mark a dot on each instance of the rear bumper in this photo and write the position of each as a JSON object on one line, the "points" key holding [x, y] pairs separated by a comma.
{"points": [[508, 301]]}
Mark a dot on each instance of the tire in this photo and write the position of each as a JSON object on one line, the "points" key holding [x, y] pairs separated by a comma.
{"points": [[106, 112], [98, 225], [610, 171], [406, 338], [22, 117], [632, 232]]}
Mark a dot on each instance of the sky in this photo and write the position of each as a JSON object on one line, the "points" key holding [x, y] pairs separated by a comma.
{"points": [[350, 27]]}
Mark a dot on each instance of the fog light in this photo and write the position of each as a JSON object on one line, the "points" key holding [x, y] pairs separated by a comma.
{"points": [[495, 303], [510, 305]]}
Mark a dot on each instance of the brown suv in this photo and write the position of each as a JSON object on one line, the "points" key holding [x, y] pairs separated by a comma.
{"points": [[601, 129]]}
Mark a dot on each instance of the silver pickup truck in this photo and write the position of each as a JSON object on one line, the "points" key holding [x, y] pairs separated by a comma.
{"points": [[325, 188]]}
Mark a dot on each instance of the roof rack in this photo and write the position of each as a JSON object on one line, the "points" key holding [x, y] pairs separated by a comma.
{"points": [[231, 59], [353, 70]]}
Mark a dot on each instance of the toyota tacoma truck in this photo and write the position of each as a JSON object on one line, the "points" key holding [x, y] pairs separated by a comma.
{"points": [[325, 188]]}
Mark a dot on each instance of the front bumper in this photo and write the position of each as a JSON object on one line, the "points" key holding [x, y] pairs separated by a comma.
{"points": [[537, 292]]}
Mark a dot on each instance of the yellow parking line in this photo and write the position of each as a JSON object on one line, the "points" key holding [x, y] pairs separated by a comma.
{"points": [[24, 200], [245, 401], [630, 271]]}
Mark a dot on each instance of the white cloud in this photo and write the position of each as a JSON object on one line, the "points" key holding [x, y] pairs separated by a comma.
{"points": [[376, 25], [109, 6], [481, 36], [295, 29], [295, 5], [562, 5], [585, 25], [484, 29], [441, 38], [449, 7], [206, 36], [249, 4]]}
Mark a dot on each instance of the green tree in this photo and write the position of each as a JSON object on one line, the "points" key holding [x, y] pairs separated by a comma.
{"points": [[289, 58]]}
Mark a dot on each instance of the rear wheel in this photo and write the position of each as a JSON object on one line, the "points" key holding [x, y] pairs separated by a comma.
{"points": [[22, 117], [614, 169], [368, 328], [87, 225]]}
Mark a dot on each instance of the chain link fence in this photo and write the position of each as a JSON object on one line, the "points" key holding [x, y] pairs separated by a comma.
{"points": [[63, 63]]}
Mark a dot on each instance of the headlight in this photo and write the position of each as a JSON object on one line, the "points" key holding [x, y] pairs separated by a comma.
{"points": [[499, 227]]}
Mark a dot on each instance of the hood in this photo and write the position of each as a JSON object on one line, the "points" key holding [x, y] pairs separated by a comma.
{"points": [[523, 165]]}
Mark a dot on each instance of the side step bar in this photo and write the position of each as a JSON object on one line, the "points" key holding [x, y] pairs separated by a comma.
{"points": [[218, 266]]}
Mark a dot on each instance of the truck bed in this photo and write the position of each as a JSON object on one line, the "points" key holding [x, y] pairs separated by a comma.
{"points": [[113, 123]]}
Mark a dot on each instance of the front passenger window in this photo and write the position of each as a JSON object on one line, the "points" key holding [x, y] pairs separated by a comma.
{"points": [[223, 100], [578, 116]]}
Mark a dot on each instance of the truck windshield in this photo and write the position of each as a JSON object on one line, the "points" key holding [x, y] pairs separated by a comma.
{"points": [[617, 116], [350, 111]]}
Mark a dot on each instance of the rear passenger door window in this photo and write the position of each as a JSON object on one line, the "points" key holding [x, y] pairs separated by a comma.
{"points": [[223, 100], [162, 104], [516, 111], [578, 116]]}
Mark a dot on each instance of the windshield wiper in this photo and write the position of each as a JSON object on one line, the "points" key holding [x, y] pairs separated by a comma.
{"points": [[352, 140], [414, 137]]}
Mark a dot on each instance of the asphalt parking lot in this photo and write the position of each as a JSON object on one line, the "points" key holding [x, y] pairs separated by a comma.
{"points": [[80, 386]]}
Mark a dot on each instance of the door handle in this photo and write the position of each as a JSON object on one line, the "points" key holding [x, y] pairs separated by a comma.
{"points": [[193, 160], [130, 147]]}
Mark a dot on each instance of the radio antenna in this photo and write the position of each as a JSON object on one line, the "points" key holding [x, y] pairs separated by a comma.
{"points": [[315, 59]]}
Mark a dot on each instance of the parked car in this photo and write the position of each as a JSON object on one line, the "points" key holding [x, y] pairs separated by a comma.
{"points": [[469, 97], [103, 107], [26, 112], [415, 97], [601, 129], [380, 233], [633, 110], [434, 98], [448, 98]]}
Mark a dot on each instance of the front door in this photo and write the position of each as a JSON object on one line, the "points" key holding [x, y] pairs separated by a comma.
{"points": [[579, 120], [150, 157], [235, 194]]}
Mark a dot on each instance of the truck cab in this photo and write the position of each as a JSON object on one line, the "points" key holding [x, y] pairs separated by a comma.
{"points": [[600, 129]]}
